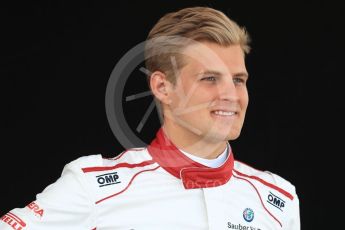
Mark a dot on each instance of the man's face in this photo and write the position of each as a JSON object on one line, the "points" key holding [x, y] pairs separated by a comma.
{"points": [[210, 98]]}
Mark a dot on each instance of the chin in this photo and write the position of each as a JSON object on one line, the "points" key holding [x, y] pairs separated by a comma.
{"points": [[233, 135], [220, 137]]}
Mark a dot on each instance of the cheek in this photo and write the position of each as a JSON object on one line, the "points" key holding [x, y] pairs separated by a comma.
{"points": [[198, 95], [244, 98], [177, 99], [200, 102]]}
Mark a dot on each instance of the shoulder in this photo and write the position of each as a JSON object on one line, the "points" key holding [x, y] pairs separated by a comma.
{"points": [[97, 162], [265, 178], [277, 195], [107, 177], [95, 171]]}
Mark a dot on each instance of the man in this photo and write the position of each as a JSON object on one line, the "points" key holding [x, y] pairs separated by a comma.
{"points": [[187, 177]]}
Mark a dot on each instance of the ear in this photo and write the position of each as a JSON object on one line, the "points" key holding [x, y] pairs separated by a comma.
{"points": [[160, 87]]}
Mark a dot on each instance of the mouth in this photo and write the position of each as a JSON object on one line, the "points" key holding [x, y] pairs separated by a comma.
{"points": [[223, 113]]}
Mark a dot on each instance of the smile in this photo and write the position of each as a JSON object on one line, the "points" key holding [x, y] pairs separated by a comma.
{"points": [[224, 113]]}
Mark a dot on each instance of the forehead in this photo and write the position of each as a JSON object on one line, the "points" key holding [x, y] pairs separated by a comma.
{"points": [[206, 55]]}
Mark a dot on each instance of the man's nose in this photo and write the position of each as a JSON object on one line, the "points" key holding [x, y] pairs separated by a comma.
{"points": [[227, 90]]}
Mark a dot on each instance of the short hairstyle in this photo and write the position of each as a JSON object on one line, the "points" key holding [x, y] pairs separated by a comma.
{"points": [[169, 35]]}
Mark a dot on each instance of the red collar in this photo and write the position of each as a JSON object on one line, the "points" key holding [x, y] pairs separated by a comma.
{"points": [[192, 174]]}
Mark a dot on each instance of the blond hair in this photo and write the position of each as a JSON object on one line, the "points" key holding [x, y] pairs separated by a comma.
{"points": [[172, 32]]}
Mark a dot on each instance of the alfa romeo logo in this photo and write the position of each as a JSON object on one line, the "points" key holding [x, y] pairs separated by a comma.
{"points": [[248, 214]]}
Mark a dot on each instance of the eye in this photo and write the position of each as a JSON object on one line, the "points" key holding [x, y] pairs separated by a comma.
{"points": [[238, 81], [209, 78]]}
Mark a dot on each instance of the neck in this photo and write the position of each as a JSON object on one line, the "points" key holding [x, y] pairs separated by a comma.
{"points": [[195, 144]]}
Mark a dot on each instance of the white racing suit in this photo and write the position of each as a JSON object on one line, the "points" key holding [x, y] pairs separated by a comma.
{"points": [[158, 187]]}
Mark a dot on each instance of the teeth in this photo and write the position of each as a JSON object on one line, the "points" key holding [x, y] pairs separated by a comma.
{"points": [[223, 113]]}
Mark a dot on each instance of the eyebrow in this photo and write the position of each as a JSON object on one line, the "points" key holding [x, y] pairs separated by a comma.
{"points": [[241, 74], [217, 73]]}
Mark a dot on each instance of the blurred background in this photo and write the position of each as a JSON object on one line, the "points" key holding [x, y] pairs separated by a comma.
{"points": [[57, 60]]}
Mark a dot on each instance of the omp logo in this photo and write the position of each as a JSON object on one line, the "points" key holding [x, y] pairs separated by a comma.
{"points": [[14, 221], [276, 201], [108, 179]]}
